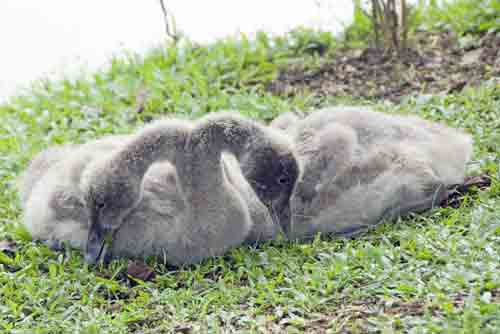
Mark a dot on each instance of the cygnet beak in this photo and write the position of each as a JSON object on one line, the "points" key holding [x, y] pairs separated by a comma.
{"points": [[286, 219], [283, 214], [98, 243]]}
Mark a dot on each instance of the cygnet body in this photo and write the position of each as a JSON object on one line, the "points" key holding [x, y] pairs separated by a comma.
{"points": [[168, 192], [54, 211], [360, 167]]}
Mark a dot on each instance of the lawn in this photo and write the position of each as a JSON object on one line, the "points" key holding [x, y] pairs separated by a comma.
{"points": [[438, 272]]}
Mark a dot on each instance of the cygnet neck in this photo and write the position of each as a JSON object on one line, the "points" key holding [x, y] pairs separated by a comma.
{"points": [[163, 140], [202, 172]]}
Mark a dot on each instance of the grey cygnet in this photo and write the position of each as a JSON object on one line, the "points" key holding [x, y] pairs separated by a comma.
{"points": [[54, 211], [360, 167], [167, 191]]}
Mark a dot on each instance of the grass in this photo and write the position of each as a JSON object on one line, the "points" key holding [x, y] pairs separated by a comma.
{"points": [[432, 273], [462, 17]]}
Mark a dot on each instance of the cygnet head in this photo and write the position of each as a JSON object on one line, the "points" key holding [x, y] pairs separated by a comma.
{"points": [[272, 170], [112, 187], [108, 203]]}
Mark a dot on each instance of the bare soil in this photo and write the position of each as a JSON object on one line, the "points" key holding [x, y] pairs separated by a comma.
{"points": [[436, 63]]}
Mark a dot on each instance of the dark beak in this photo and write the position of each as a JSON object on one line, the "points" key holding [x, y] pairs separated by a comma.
{"points": [[283, 213], [286, 219], [98, 243]]}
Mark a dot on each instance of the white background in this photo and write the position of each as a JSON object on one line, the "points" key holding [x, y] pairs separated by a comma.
{"points": [[60, 37]]}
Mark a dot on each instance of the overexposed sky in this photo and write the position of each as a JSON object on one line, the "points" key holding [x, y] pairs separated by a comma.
{"points": [[60, 37]]}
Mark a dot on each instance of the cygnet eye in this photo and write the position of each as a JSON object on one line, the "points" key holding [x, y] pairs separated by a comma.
{"points": [[282, 180], [100, 205]]}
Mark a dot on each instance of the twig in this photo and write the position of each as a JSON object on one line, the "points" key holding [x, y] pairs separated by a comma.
{"points": [[404, 24], [170, 33]]}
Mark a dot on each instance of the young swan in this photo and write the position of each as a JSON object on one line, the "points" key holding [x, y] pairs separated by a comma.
{"points": [[55, 209], [209, 214], [360, 167]]}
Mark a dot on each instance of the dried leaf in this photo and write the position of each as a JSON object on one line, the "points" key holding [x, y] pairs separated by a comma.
{"points": [[455, 193], [185, 329], [481, 181], [471, 57], [141, 271], [7, 245], [457, 86]]}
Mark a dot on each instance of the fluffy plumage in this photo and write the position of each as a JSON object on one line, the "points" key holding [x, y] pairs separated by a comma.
{"points": [[360, 166], [54, 210], [165, 191]]}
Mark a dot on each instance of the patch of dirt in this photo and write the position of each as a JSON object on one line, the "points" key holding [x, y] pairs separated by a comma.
{"points": [[437, 63], [140, 271]]}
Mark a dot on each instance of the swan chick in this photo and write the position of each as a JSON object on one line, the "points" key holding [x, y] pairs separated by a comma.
{"points": [[360, 167], [214, 215]]}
